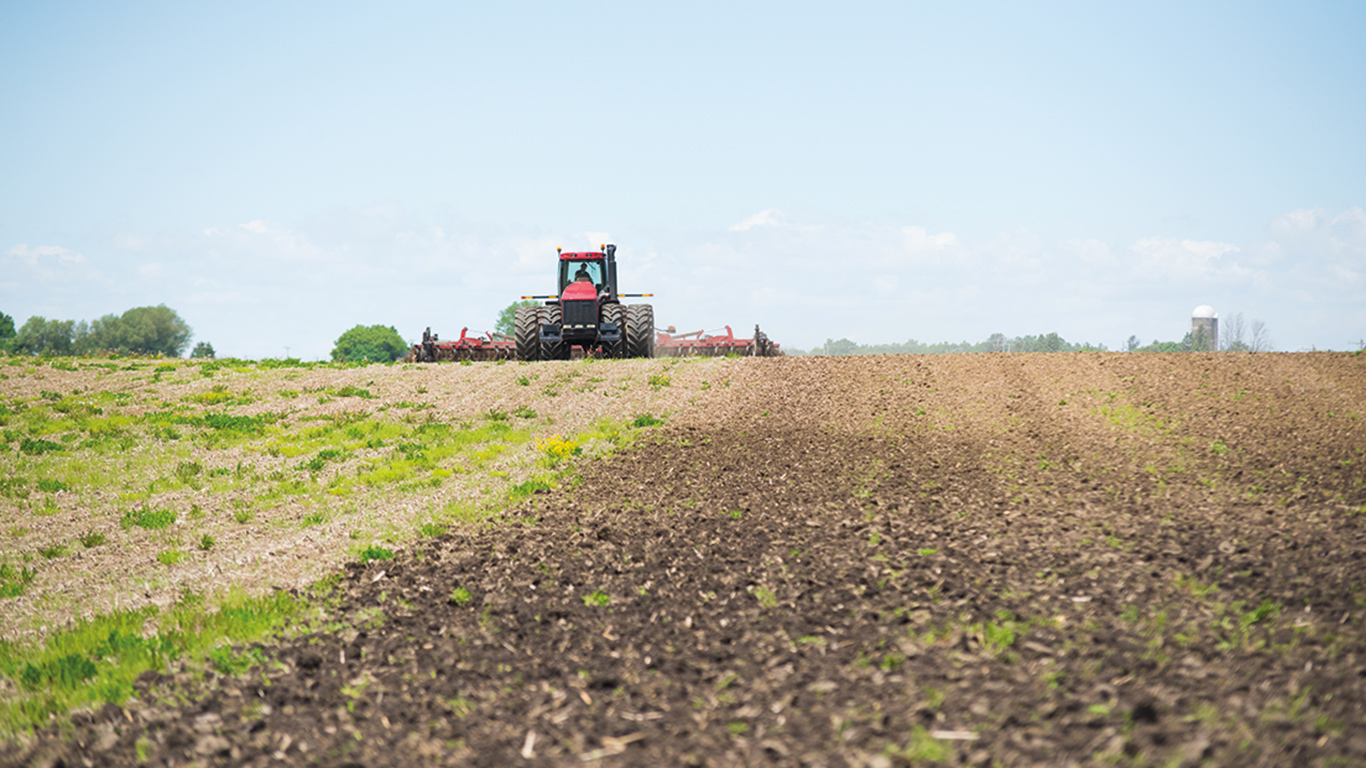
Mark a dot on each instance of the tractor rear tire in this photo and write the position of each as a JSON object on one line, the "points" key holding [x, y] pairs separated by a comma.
{"points": [[615, 313], [526, 325], [640, 330], [555, 350]]}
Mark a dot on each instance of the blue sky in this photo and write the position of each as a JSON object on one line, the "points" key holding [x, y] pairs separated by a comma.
{"points": [[879, 171]]}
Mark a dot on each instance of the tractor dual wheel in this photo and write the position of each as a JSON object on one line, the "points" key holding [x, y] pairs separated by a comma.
{"points": [[526, 326], [554, 350], [615, 313], [640, 330]]}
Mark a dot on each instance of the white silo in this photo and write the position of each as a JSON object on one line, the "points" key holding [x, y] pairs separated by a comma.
{"points": [[1205, 329]]}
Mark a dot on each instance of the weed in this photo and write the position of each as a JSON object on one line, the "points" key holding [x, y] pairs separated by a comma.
{"points": [[926, 552], [460, 596], [658, 380], [36, 446], [47, 485], [375, 552], [171, 557], [646, 420], [556, 449], [921, 747], [524, 412], [231, 662], [1267, 609], [597, 598], [13, 582], [188, 472], [92, 539], [206, 542], [765, 597], [144, 517], [432, 530], [53, 551]]}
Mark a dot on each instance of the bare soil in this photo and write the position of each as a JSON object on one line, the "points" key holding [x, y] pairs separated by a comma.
{"points": [[979, 559]]}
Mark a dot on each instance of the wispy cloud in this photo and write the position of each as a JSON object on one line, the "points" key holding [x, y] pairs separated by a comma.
{"points": [[918, 240], [769, 217], [1182, 260]]}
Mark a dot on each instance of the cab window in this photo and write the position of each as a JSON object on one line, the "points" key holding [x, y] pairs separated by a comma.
{"points": [[581, 270]]}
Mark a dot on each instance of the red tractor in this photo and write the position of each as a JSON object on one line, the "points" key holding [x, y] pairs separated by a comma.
{"points": [[587, 313]]}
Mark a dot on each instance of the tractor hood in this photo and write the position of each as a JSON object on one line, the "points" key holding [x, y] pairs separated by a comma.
{"points": [[580, 290]]}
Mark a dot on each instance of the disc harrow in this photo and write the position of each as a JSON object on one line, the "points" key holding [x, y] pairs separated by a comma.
{"points": [[490, 346], [668, 343]]}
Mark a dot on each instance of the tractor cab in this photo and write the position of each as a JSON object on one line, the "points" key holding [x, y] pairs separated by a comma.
{"points": [[598, 268], [583, 267]]}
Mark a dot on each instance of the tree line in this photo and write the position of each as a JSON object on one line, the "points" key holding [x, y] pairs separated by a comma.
{"points": [[996, 342], [1236, 334], [155, 330]]}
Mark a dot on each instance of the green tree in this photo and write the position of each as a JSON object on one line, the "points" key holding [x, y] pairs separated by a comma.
{"points": [[155, 331], [139, 331], [375, 343], [203, 349], [508, 316], [41, 336], [7, 332]]}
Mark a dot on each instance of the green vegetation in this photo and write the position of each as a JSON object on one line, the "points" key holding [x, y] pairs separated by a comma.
{"points": [[96, 661], [508, 316], [997, 342], [375, 552], [646, 420], [139, 331], [144, 517], [374, 343], [597, 598], [13, 580]]}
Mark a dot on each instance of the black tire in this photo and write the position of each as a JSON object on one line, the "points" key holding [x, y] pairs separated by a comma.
{"points": [[615, 313], [640, 330], [526, 326], [553, 350]]}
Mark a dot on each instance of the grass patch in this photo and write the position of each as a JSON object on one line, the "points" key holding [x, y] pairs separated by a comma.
{"points": [[145, 517], [171, 557], [13, 581], [375, 552], [96, 660], [53, 551], [646, 420]]}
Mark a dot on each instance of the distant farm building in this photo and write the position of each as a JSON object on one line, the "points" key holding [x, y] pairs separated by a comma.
{"points": [[1205, 328]]}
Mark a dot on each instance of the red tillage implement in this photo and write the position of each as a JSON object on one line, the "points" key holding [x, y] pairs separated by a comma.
{"points": [[490, 346], [671, 344]]}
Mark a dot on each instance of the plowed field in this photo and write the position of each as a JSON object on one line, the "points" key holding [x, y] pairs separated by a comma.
{"points": [[981, 559]]}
